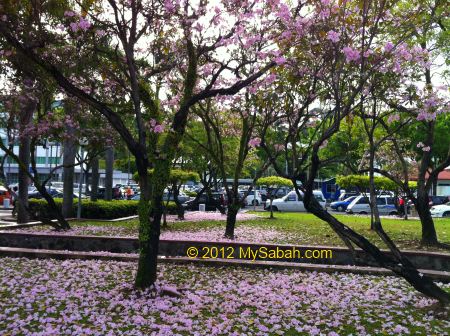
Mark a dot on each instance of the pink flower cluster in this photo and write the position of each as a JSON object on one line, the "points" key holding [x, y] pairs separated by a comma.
{"points": [[254, 142], [424, 148], [155, 127], [333, 36], [351, 55], [82, 24]]}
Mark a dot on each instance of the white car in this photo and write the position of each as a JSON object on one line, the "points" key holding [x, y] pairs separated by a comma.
{"points": [[254, 198], [442, 210], [360, 205], [292, 203]]}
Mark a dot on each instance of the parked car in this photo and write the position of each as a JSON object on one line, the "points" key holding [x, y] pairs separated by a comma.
{"points": [[116, 193], [181, 197], [211, 203], [342, 205], [4, 193], [346, 194], [241, 197], [254, 197], [360, 205], [438, 200], [55, 193], [292, 203], [442, 210]]}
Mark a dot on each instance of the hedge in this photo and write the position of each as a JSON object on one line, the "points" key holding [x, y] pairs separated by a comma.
{"points": [[93, 210]]}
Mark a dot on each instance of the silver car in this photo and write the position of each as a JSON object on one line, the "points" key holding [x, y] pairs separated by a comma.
{"points": [[360, 205]]}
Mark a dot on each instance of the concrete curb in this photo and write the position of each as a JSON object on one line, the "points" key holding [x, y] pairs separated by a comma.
{"points": [[6, 224], [65, 255]]}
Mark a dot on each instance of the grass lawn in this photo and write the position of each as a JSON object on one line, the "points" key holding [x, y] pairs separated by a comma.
{"points": [[286, 228], [301, 229], [80, 297]]}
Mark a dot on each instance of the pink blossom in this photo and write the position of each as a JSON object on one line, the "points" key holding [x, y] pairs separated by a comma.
{"points": [[169, 6], [84, 24], [350, 54], [388, 46], [254, 142], [280, 60], [74, 26], [393, 117], [158, 129], [69, 13], [100, 32], [333, 36]]}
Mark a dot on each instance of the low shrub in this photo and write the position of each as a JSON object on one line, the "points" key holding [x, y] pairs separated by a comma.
{"points": [[100, 209], [190, 193]]}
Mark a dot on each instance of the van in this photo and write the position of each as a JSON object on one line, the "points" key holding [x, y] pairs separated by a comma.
{"points": [[292, 203], [360, 205]]}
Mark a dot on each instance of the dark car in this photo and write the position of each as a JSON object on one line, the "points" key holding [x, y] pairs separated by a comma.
{"points": [[116, 193], [342, 205], [183, 198], [438, 200], [53, 192], [211, 203], [241, 197]]}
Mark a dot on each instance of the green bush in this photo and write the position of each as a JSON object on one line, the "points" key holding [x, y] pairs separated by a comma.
{"points": [[190, 193], [93, 210]]}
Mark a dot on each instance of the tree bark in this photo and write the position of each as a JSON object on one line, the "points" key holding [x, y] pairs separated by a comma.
{"points": [[95, 176], [22, 205], [180, 209], [88, 179], [109, 166], [149, 227], [375, 220], [271, 209], [429, 235], [233, 210], [24, 156], [69, 153]]}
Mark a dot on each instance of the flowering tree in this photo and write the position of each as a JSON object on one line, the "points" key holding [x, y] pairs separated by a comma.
{"points": [[164, 57], [418, 101], [335, 68], [229, 139]]}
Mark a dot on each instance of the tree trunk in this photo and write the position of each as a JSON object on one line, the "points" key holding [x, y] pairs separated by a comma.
{"points": [[429, 236], [150, 214], [271, 209], [180, 209], [69, 153], [24, 156], [22, 205], [109, 166], [233, 210], [375, 220], [88, 178], [95, 176]]}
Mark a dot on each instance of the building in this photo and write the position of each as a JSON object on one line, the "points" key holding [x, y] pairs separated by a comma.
{"points": [[47, 158], [443, 183]]}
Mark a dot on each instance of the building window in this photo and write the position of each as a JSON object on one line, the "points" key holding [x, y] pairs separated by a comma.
{"points": [[51, 160]]}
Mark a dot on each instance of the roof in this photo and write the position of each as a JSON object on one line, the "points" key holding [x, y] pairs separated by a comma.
{"points": [[443, 175]]}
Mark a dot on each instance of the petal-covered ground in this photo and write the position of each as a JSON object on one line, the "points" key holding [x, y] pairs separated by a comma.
{"points": [[242, 233], [74, 297]]}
